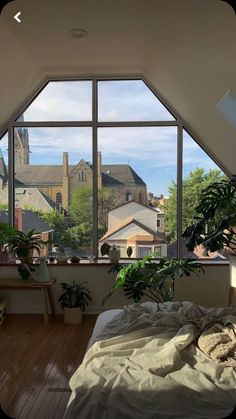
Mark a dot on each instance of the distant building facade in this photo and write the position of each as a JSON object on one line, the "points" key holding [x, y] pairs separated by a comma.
{"points": [[58, 182], [138, 226]]}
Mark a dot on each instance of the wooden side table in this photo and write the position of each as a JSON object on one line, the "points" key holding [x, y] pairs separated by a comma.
{"points": [[232, 290], [45, 288]]}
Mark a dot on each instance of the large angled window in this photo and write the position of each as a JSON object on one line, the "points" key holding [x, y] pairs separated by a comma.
{"points": [[99, 161]]}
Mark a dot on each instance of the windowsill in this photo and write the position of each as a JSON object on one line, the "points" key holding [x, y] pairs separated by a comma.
{"points": [[104, 261]]}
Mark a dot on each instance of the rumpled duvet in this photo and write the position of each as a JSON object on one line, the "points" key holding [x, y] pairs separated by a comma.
{"points": [[146, 364]]}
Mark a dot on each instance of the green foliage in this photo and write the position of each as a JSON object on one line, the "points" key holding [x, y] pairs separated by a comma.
{"points": [[154, 280], [57, 222], [75, 295], [21, 243], [6, 232], [214, 225], [80, 209], [79, 235], [192, 189]]}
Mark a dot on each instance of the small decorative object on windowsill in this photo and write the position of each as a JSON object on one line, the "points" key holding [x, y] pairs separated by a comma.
{"points": [[75, 259], [114, 254], [62, 256], [73, 301], [2, 309]]}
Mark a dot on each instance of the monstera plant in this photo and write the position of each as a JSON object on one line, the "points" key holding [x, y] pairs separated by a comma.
{"points": [[155, 280], [214, 224]]}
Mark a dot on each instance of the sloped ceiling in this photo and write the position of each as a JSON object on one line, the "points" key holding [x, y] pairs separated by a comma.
{"points": [[185, 49]]}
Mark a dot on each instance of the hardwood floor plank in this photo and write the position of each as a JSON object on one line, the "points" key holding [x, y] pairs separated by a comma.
{"points": [[37, 361]]}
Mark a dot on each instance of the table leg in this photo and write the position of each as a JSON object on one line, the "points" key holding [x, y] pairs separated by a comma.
{"points": [[50, 301], [45, 305]]}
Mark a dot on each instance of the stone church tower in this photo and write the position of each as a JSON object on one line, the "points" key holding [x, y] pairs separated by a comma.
{"points": [[21, 147]]}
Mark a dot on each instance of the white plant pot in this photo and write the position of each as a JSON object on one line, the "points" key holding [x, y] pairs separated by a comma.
{"points": [[72, 315], [114, 255], [2, 309], [232, 270], [62, 257]]}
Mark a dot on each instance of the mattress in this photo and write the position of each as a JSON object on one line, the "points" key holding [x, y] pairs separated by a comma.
{"points": [[144, 362], [101, 323]]}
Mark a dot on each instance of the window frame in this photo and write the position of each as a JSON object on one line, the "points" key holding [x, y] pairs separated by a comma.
{"points": [[95, 124]]}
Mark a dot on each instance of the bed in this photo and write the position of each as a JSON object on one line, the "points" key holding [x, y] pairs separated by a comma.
{"points": [[145, 362]]}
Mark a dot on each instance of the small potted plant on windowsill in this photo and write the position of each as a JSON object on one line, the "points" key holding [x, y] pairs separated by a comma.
{"points": [[73, 301]]}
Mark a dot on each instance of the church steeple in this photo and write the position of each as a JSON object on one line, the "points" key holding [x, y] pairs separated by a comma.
{"points": [[21, 145], [3, 171]]}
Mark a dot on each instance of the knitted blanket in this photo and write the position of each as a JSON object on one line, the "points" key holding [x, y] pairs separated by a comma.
{"points": [[218, 341]]}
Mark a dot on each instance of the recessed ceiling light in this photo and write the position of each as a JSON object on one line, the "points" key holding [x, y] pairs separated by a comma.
{"points": [[78, 33]]}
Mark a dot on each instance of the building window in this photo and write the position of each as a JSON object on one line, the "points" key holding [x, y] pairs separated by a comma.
{"points": [[50, 152], [128, 196], [144, 251], [59, 198]]}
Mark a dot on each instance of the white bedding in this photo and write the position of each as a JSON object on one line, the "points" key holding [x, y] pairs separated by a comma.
{"points": [[146, 364]]}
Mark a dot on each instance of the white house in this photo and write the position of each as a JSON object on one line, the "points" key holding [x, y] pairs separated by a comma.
{"points": [[138, 226]]}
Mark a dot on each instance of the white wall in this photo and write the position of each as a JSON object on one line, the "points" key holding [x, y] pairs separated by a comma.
{"points": [[210, 289]]}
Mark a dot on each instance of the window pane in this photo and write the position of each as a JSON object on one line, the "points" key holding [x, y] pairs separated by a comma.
{"points": [[129, 100], [199, 171], [4, 257], [62, 101], [53, 186], [137, 166]]}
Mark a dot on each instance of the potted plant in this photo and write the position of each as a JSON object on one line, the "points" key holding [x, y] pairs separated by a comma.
{"points": [[23, 245], [73, 301], [214, 225], [154, 280]]}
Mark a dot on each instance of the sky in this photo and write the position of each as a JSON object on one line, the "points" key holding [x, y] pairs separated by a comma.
{"points": [[150, 151]]}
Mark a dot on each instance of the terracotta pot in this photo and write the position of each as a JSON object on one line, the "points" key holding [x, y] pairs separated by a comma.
{"points": [[72, 315]]}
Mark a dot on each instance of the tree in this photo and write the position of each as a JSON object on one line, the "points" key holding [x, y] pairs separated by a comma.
{"points": [[56, 221], [196, 181], [80, 210]]}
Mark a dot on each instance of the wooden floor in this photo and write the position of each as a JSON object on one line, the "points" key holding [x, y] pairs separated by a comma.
{"points": [[36, 363]]}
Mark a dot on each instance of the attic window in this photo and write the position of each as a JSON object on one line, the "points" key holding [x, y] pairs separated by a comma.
{"points": [[138, 136]]}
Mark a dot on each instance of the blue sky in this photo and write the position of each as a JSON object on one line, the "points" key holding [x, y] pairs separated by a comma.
{"points": [[151, 151]]}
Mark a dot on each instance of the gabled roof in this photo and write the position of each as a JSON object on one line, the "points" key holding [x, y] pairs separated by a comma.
{"points": [[129, 221], [30, 221], [112, 175], [137, 203], [30, 197], [119, 175]]}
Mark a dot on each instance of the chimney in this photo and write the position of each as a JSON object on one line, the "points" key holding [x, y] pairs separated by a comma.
{"points": [[19, 219], [65, 163]]}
